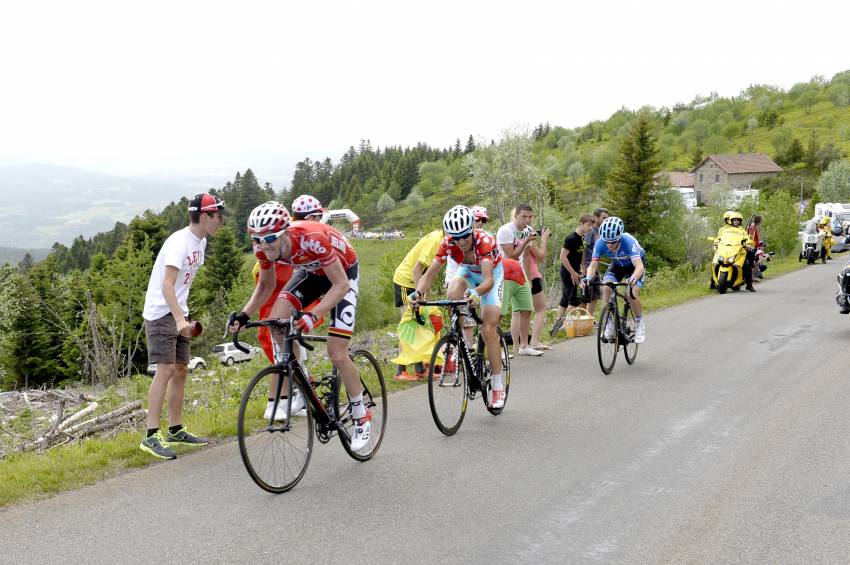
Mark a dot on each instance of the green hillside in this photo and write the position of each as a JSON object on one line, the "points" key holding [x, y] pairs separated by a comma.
{"points": [[803, 128]]}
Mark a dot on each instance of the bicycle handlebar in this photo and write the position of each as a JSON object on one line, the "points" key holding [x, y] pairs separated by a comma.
{"points": [[272, 323], [444, 304], [613, 284]]}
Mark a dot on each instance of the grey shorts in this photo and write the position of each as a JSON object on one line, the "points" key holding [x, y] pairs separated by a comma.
{"points": [[165, 345]]}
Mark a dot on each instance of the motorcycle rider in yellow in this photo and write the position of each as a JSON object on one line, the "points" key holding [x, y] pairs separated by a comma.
{"points": [[734, 221], [825, 227]]}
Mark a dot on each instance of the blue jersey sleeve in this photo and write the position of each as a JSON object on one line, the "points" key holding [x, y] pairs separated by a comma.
{"points": [[599, 249]]}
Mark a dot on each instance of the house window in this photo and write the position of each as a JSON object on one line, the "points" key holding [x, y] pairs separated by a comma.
{"points": [[716, 178], [700, 177]]}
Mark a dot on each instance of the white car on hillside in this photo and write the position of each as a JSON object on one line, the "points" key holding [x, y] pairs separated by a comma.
{"points": [[194, 363]]}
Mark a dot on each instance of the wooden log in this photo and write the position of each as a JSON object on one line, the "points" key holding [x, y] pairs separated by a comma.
{"points": [[127, 408], [108, 424], [56, 419], [76, 416]]}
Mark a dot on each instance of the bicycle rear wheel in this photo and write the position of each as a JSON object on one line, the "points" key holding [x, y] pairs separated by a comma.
{"points": [[506, 372], [607, 345], [447, 385], [374, 398], [275, 454], [630, 348]]}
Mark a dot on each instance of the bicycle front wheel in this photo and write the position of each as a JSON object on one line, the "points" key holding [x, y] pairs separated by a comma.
{"points": [[607, 339], [506, 372], [630, 348], [275, 453], [447, 385], [375, 400]]}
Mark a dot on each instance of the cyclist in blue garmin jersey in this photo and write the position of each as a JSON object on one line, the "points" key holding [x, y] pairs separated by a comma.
{"points": [[626, 256]]}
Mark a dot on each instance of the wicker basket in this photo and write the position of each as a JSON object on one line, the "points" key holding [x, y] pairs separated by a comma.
{"points": [[578, 323]]}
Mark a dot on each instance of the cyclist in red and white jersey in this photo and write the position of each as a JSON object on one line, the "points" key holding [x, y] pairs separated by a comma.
{"points": [[326, 270], [479, 277]]}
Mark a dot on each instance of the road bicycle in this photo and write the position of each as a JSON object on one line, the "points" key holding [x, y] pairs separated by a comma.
{"points": [[276, 452], [456, 374], [608, 343]]}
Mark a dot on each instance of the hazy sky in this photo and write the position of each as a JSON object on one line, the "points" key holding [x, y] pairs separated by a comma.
{"points": [[195, 85]]}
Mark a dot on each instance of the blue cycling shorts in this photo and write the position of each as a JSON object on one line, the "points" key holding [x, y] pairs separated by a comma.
{"points": [[473, 276], [616, 273]]}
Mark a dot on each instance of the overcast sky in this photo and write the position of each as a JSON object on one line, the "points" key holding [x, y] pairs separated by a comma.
{"points": [[140, 87]]}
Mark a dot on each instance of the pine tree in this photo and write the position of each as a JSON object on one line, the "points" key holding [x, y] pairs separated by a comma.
{"points": [[696, 158], [631, 184], [222, 262], [470, 146]]}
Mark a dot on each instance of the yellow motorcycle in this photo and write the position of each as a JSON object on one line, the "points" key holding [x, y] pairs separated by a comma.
{"points": [[727, 267]]}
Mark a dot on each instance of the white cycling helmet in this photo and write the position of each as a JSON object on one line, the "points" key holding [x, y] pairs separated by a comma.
{"points": [[306, 205], [270, 216], [458, 221], [611, 229]]}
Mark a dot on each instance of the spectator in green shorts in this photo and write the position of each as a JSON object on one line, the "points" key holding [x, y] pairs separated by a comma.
{"points": [[516, 298]]}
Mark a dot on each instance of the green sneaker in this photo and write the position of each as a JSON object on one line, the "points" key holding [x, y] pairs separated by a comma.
{"points": [[183, 436], [157, 446]]}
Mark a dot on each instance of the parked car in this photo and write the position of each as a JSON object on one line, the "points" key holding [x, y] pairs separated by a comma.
{"points": [[194, 363], [228, 354]]}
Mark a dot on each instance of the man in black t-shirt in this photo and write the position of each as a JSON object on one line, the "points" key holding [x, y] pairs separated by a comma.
{"points": [[571, 269]]}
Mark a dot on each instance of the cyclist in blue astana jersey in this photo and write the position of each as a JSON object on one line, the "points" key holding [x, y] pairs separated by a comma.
{"points": [[626, 256]]}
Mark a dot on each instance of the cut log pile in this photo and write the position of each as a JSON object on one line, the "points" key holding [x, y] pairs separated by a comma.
{"points": [[36, 420]]}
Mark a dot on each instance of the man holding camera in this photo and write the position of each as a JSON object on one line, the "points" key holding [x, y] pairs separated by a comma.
{"points": [[513, 239]]}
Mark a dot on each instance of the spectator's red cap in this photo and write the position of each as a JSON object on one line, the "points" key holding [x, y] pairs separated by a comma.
{"points": [[206, 202]]}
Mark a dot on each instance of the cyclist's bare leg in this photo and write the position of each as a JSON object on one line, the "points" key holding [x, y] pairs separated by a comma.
{"points": [[490, 316], [281, 310], [456, 291], [635, 304], [338, 354]]}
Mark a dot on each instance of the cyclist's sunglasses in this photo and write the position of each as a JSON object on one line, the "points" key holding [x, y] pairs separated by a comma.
{"points": [[461, 237], [270, 238]]}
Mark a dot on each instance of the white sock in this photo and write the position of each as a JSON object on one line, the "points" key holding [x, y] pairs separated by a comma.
{"points": [[357, 409], [497, 381]]}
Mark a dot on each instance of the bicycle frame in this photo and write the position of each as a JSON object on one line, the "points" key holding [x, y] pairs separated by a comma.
{"points": [[454, 307], [292, 371]]}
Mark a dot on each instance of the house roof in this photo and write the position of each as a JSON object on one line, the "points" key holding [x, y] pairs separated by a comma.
{"points": [[743, 163], [679, 179]]}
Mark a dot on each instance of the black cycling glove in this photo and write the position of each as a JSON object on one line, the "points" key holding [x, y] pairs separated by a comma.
{"points": [[240, 317]]}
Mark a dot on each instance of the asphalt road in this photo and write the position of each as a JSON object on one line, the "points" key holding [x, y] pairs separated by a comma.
{"points": [[727, 442]]}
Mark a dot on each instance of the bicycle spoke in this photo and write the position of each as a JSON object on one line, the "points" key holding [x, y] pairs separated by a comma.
{"points": [[375, 400], [276, 456], [447, 385], [607, 338]]}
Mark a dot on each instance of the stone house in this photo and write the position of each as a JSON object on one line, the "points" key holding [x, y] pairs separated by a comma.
{"points": [[738, 171]]}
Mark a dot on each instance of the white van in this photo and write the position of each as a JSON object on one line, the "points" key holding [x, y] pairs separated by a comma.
{"points": [[689, 197], [840, 216]]}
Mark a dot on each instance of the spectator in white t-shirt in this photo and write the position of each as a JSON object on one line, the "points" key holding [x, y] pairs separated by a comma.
{"points": [[513, 238], [167, 325]]}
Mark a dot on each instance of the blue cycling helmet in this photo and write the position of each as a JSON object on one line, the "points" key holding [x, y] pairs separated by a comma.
{"points": [[611, 229]]}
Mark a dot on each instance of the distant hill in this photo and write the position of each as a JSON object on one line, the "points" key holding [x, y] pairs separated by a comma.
{"points": [[43, 204], [13, 255]]}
